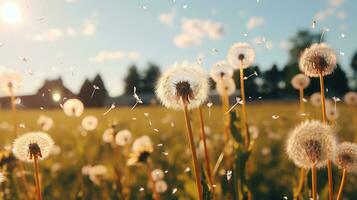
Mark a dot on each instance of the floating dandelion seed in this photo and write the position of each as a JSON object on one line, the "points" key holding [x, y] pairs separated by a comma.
{"points": [[221, 70], [157, 174], [10, 82], [95, 88], [89, 123], [174, 190], [137, 98], [229, 174], [241, 53], [45, 122], [123, 137], [238, 101], [226, 86], [73, 107], [300, 81], [183, 82], [110, 109], [185, 6], [187, 169], [318, 60], [209, 105], [97, 173], [350, 98], [254, 74], [313, 25], [311, 144], [32, 144]]}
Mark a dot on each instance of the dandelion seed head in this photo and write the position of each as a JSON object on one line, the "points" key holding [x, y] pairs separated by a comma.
{"points": [[85, 170], [157, 174], [241, 53], [300, 81], [161, 186], [183, 82], [315, 99], [141, 150], [318, 59], [73, 107], [346, 156], [311, 143], [89, 123], [221, 70], [350, 98], [226, 86], [97, 173], [332, 113], [10, 82], [32, 144], [123, 137], [45, 122], [108, 135]]}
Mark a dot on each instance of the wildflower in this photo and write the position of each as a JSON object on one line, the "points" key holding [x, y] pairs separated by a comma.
{"points": [[123, 137], [161, 186], [108, 135], [45, 122], [73, 107], [157, 174], [346, 156], [351, 98], [300, 81], [221, 70], [315, 99], [10, 82], [141, 150], [97, 174], [311, 144], [241, 54], [89, 123], [183, 83], [226, 86], [318, 59], [33, 144]]}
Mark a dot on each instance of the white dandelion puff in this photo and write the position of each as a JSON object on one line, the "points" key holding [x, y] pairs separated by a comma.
{"points": [[141, 150], [346, 156], [45, 122], [318, 59], [73, 107], [241, 54], [157, 174], [90, 123], [183, 83], [108, 135], [221, 70], [300, 81], [226, 86], [350, 98], [123, 137], [161, 186], [97, 174], [32, 144], [311, 143], [10, 82]]}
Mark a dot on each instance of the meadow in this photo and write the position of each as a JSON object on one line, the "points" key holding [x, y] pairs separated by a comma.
{"points": [[272, 175]]}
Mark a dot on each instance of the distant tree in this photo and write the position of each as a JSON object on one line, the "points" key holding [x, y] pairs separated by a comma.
{"points": [[151, 75], [251, 88], [132, 80], [272, 78], [337, 83], [100, 94], [85, 92], [354, 64]]}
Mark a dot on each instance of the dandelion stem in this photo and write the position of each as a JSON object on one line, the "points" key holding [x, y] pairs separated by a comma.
{"points": [[342, 184], [314, 182], [301, 183], [301, 101], [244, 111], [193, 150], [225, 107], [323, 108], [149, 170], [37, 180], [203, 135]]}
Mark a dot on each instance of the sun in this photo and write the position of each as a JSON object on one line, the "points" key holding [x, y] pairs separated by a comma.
{"points": [[10, 13]]}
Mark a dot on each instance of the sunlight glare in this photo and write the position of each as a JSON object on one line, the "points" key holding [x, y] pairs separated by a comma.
{"points": [[11, 13]]}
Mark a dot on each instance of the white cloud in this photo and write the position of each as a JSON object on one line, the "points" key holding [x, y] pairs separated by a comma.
{"points": [[284, 44], [48, 35], [103, 56], [193, 31], [255, 22], [336, 3], [167, 18], [71, 32], [341, 15], [89, 28], [324, 14]]}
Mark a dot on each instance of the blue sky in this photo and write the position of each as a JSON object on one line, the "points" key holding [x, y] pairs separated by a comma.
{"points": [[76, 39]]}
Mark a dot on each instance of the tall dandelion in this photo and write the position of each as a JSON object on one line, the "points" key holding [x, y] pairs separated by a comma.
{"points": [[346, 159], [73, 107], [311, 145], [184, 87], [319, 60], [241, 56], [32, 147], [300, 82]]}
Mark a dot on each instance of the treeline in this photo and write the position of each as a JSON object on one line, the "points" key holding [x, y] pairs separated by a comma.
{"points": [[273, 83]]}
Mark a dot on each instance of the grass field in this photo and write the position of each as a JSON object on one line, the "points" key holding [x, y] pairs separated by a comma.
{"points": [[272, 174]]}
